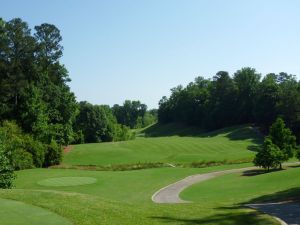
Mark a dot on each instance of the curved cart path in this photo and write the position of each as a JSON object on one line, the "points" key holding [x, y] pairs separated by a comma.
{"points": [[287, 213], [170, 193]]}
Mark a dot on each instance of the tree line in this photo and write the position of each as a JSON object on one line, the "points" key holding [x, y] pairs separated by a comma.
{"points": [[227, 100], [38, 112]]}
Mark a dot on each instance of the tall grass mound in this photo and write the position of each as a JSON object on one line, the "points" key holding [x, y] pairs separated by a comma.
{"points": [[173, 144]]}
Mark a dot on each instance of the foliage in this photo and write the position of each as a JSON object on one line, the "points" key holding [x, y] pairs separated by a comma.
{"points": [[227, 101], [96, 123], [22, 150], [33, 82], [278, 146], [134, 114], [269, 156], [6, 170], [283, 138], [14, 148], [298, 153], [53, 155]]}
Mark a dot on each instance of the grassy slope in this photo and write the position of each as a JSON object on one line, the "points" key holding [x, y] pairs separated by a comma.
{"points": [[176, 147], [125, 197]]}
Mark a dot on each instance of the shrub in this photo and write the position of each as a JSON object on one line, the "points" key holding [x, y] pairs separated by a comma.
{"points": [[78, 137], [36, 149], [269, 156], [20, 159], [6, 171], [53, 154], [123, 133], [278, 147], [21, 149]]}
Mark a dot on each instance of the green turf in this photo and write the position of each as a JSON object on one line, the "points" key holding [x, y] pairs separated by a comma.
{"points": [[240, 188], [67, 181], [19, 213], [125, 198], [227, 144]]}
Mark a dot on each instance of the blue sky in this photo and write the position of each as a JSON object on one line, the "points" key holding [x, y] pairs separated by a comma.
{"points": [[126, 49]]}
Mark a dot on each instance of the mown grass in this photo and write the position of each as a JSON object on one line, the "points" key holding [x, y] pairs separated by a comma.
{"points": [[124, 197], [232, 144], [247, 187], [15, 212]]}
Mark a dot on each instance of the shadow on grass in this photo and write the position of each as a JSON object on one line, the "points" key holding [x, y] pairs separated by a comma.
{"points": [[255, 148], [294, 166], [292, 194], [256, 172], [228, 217], [242, 132]]}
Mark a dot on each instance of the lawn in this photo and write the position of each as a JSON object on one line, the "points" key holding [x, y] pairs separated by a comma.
{"points": [[240, 188], [122, 198], [231, 144], [89, 197]]}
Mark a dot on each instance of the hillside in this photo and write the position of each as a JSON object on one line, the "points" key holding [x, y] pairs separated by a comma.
{"points": [[172, 143]]}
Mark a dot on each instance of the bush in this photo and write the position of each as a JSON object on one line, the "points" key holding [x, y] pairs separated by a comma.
{"points": [[20, 159], [78, 137], [53, 154], [6, 172], [36, 149], [298, 152], [269, 156], [278, 147], [123, 133], [21, 149]]}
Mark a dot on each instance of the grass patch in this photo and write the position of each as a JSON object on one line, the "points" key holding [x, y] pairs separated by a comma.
{"points": [[124, 197], [19, 213], [67, 181], [238, 189], [231, 144]]}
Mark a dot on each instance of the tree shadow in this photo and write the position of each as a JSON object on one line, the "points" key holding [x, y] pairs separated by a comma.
{"points": [[254, 148], [292, 194], [294, 166], [244, 133], [226, 217], [241, 132], [256, 172], [172, 129]]}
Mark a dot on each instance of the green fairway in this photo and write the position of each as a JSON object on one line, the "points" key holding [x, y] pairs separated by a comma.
{"points": [[67, 181], [239, 188], [183, 147], [125, 198], [127, 186], [90, 197], [19, 213]]}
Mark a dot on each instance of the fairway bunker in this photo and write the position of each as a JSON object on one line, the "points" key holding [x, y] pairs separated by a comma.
{"points": [[67, 181]]}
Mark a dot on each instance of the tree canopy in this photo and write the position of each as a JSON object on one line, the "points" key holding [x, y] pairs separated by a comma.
{"points": [[242, 98], [279, 146]]}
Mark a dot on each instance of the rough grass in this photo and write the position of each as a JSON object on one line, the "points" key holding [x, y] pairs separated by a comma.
{"points": [[185, 147]]}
